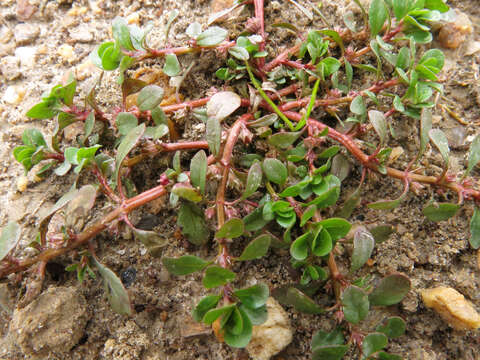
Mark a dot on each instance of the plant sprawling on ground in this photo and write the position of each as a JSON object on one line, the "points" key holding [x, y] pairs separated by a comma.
{"points": [[273, 173]]}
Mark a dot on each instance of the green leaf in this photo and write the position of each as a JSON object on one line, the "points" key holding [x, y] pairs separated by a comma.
{"points": [[9, 238], [223, 104], [322, 243], [150, 97], [391, 290], [275, 171], [372, 343], [308, 214], [187, 192], [257, 316], [121, 33], [110, 57], [207, 303], [214, 135], [214, 314], [357, 106], [377, 14], [363, 244], [440, 211], [379, 124], [329, 352], [126, 122], [382, 355], [239, 53], [33, 137], [217, 276], [212, 36], [198, 170], [475, 229], [43, 110], [266, 120], [473, 155], [233, 228], [184, 265], [322, 338], [336, 227], [401, 8], [425, 127], [116, 293], [335, 37], [284, 139], [355, 304], [328, 66], [253, 297], [254, 180], [172, 66], [152, 241], [288, 295], [299, 248], [192, 220], [327, 153], [255, 220], [241, 339], [327, 191], [393, 328], [127, 144], [193, 30], [257, 248]]}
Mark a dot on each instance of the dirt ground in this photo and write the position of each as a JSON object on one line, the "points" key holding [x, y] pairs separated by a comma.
{"points": [[35, 54]]}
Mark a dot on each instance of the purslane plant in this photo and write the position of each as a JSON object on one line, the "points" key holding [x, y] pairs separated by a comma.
{"points": [[290, 179]]}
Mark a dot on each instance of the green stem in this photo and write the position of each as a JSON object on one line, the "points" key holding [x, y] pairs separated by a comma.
{"points": [[313, 97], [267, 99]]}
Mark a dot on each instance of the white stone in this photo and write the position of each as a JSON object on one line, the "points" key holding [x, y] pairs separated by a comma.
{"points": [[26, 55], [273, 335], [66, 52], [13, 95]]}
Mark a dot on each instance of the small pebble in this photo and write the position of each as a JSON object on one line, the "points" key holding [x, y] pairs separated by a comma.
{"points": [[128, 276], [26, 55], [22, 183], [25, 33], [133, 18], [66, 52], [452, 307], [81, 34], [9, 67], [14, 95], [453, 34]]}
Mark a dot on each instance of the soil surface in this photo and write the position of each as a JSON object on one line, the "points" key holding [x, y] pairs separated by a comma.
{"points": [[40, 40]]}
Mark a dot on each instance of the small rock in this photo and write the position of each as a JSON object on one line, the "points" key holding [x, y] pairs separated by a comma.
{"points": [[85, 70], [25, 33], [9, 67], [54, 322], [128, 276], [5, 34], [27, 55], [14, 95], [22, 183], [452, 307], [219, 5], [190, 328], [272, 336], [66, 52], [77, 11], [453, 34], [82, 34], [133, 18], [473, 47], [456, 136], [25, 10]]}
